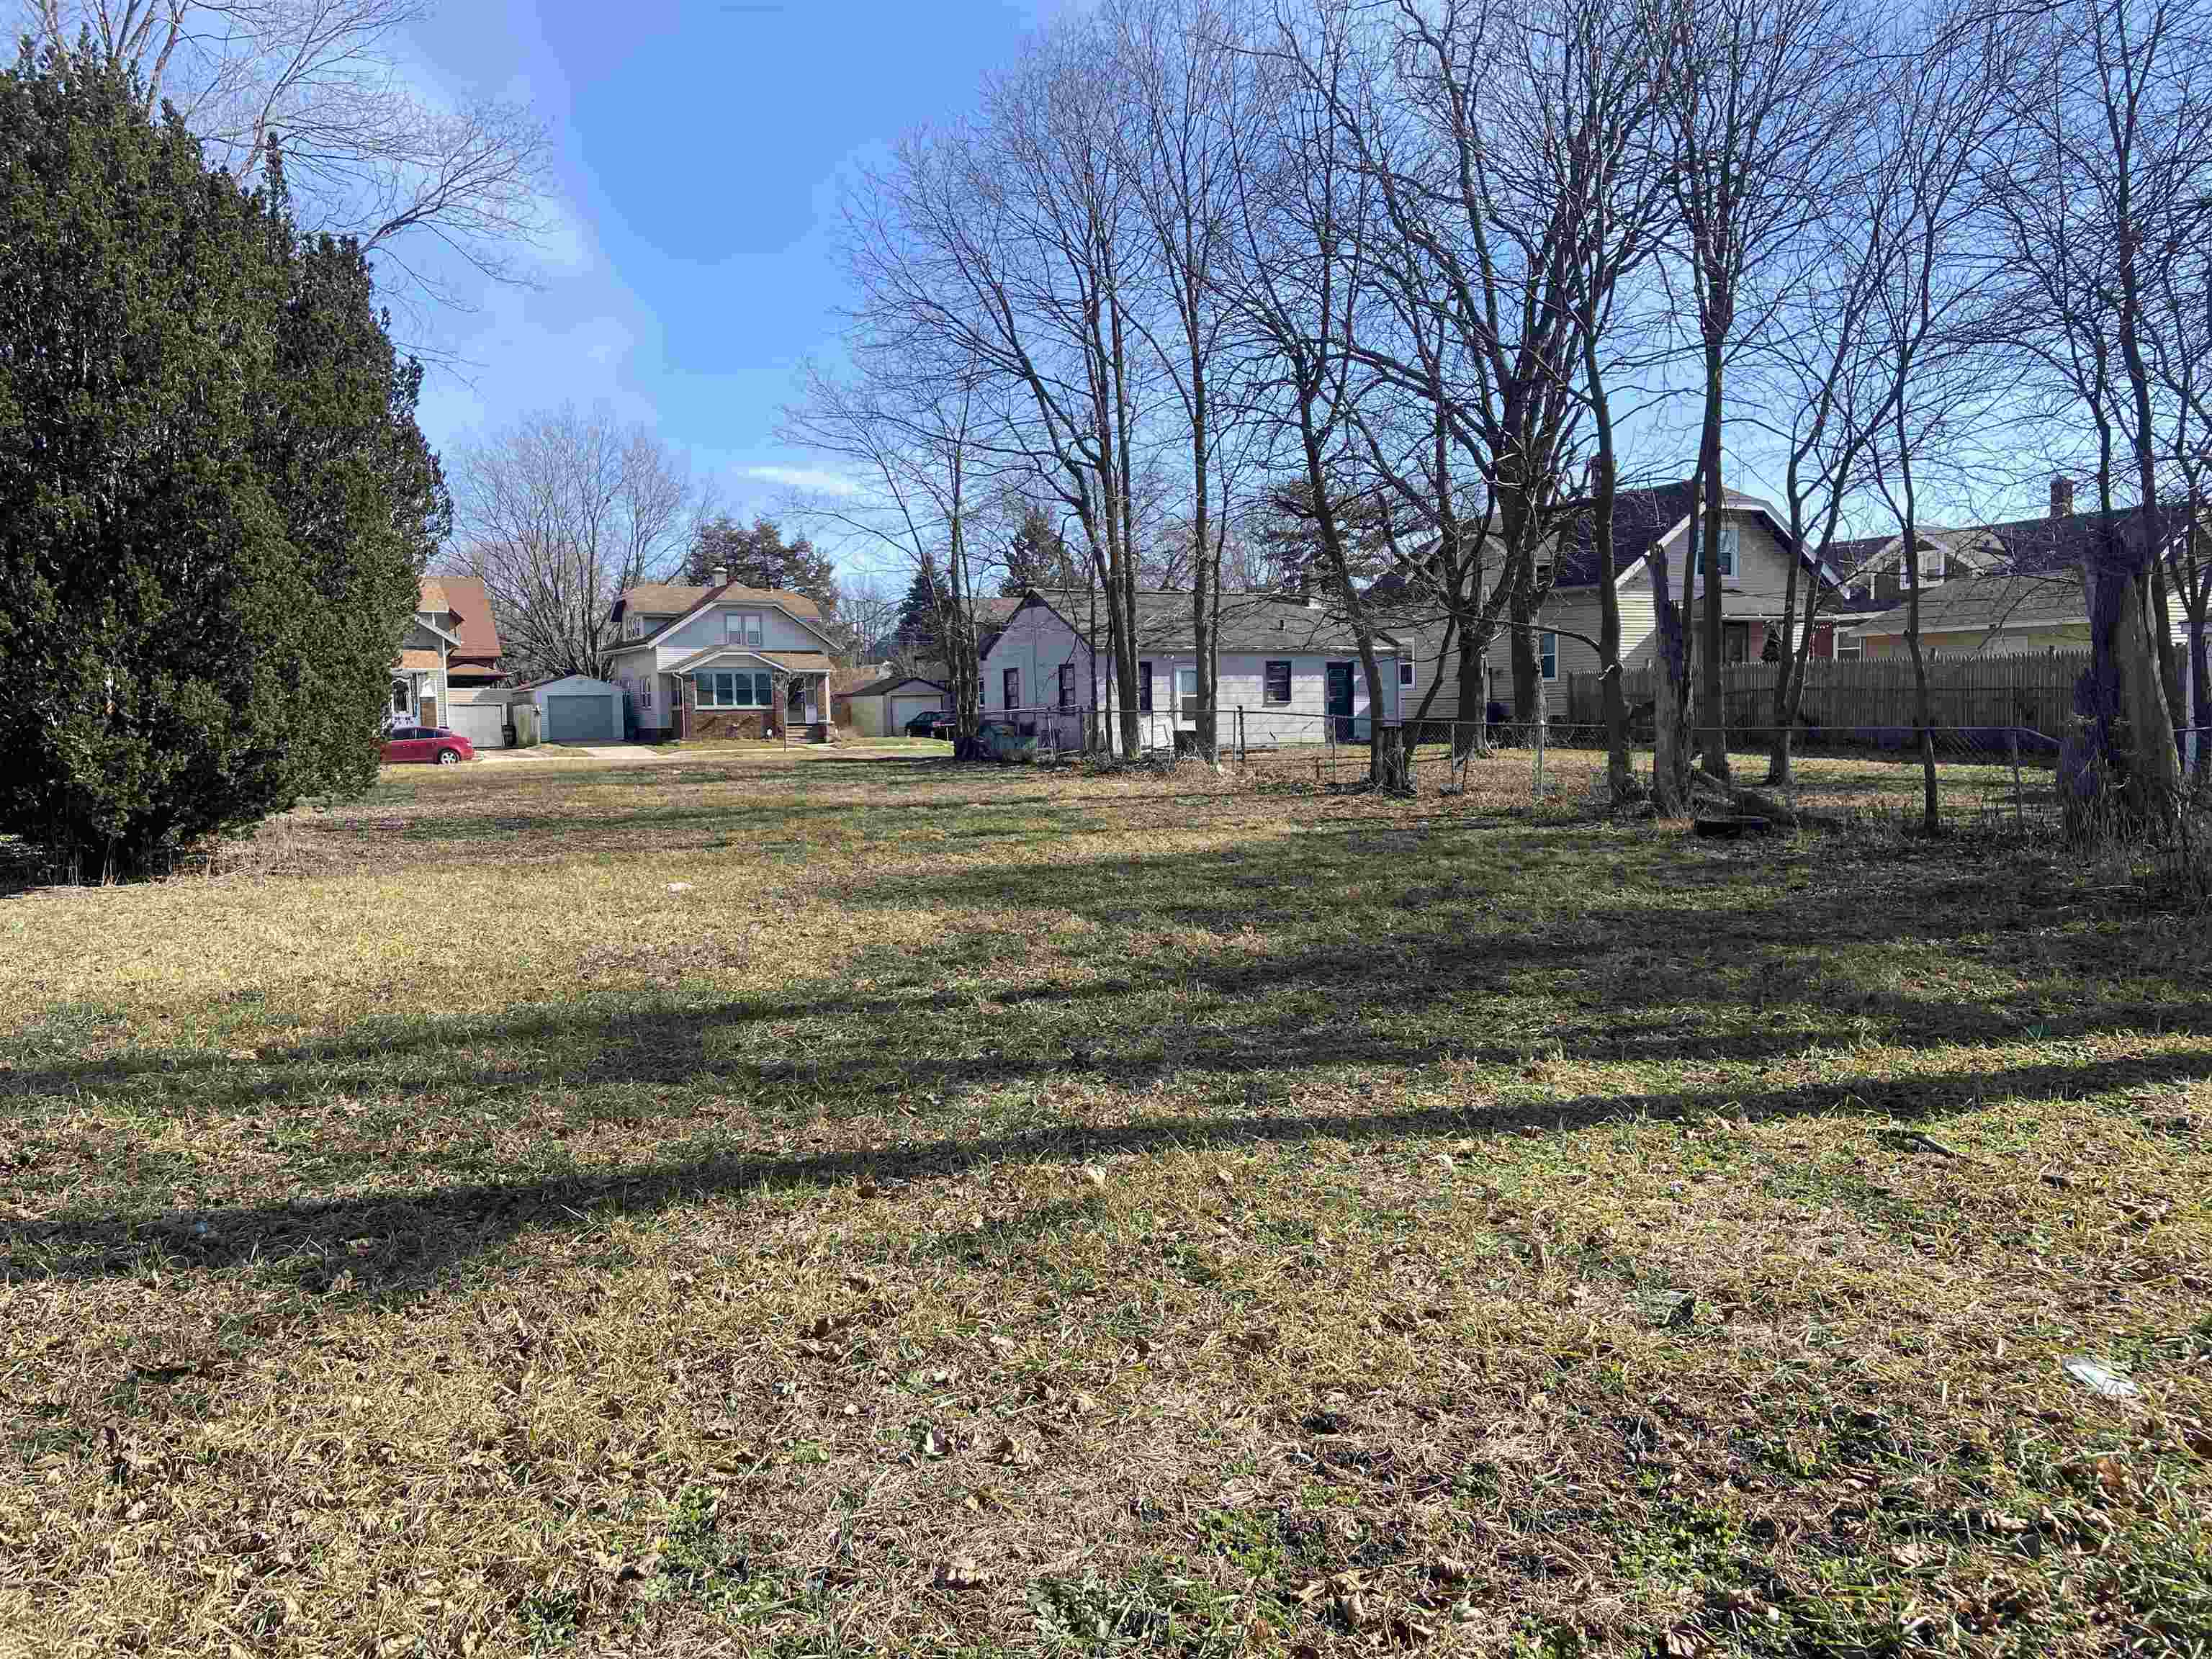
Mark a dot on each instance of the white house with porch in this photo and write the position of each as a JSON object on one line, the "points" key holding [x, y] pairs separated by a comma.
{"points": [[721, 661]]}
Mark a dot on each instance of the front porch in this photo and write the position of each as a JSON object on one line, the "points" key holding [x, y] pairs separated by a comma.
{"points": [[735, 696]]}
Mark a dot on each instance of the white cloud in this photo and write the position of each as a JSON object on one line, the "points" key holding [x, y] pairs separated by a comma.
{"points": [[813, 480]]}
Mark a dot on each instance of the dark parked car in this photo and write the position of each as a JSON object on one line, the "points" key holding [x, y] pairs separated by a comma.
{"points": [[933, 723], [431, 743]]}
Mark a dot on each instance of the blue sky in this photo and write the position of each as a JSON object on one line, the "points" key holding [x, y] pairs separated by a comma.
{"points": [[698, 146]]}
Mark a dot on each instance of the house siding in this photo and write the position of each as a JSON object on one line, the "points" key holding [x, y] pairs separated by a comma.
{"points": [[1036, 642], [639, 668], [1981, 642]]}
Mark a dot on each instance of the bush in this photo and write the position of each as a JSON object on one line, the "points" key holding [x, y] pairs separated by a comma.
{"points": [[214, 499]]}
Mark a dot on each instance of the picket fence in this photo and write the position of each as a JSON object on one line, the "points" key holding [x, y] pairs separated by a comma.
{"points": [[2032, 690]]}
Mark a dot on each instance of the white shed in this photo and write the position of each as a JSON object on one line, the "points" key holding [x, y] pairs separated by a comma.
{"points": [[578, 709], [478, 712], [881, 710]]}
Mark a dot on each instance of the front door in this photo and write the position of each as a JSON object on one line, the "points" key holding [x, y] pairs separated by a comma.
{"points": [[1736, 641], [1339, 700]]}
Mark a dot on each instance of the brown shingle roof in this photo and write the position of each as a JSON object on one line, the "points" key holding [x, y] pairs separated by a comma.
{"points": [[417, 662], [466, 598], [674, 599], [799, 662]]}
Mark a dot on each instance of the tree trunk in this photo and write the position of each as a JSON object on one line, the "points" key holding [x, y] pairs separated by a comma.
{"points": [[1712, 721], [2200, 703], [1471, 736], [1670, 776]]}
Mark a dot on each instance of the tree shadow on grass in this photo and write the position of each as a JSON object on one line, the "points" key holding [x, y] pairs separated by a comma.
{"points": [[1450, 960], [428, 1232]]}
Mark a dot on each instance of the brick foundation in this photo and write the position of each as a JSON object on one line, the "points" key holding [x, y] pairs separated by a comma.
{"points": [[729, 725]]}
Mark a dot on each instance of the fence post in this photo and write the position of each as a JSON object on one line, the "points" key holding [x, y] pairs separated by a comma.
{"points": [[1541, 724], [2012, 748], [1242, 761]]}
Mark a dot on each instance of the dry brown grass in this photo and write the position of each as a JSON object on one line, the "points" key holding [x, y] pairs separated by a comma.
{"points": [[986, 1211]]}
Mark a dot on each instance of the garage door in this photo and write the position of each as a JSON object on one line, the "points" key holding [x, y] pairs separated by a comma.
{"points": [[581, 720], [904, 708], [484, 724]]}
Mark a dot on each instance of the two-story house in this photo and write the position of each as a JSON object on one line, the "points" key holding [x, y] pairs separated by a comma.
{"points": [[1755, 553], [721, 661], [420, 673]]}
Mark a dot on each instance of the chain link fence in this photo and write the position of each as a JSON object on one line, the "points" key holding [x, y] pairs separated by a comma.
{"points": [[1986, 778]]}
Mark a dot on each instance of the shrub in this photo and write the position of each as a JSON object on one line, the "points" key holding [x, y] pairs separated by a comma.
{"points": [[214, 499]]}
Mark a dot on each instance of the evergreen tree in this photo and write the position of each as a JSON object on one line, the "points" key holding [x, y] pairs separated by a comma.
{"points": [[757, 556], [214, 500], [1036, 556], [920, 636]]}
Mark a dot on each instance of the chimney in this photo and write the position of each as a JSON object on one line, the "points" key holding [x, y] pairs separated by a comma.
{"points": [[2062, 496]]}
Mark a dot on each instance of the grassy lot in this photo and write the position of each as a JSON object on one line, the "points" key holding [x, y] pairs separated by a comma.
{"points": [[854, 1204]]}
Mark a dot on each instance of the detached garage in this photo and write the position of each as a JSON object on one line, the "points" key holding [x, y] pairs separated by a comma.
{"points": [[578, 710], [478, 713], [882, 710]]}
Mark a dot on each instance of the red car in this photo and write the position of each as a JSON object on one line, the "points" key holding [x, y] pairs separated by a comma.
{"points": [[426, 743]]}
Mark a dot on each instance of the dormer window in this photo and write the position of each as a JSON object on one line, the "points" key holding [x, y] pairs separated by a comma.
{"points": [[1729, 539], [1931, 567], [746, 628], [632, 627]]}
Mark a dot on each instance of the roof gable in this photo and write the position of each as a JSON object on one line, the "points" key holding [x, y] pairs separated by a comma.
{"points": [[474, 625], [681, 603]]}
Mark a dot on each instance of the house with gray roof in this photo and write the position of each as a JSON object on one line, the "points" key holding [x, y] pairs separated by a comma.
{"points": [[1289, 671]]}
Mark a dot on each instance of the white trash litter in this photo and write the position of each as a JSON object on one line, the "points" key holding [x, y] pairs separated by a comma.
{"points": [[2098, 1378]]}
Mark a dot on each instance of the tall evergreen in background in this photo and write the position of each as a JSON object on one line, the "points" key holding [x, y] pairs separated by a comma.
{"points": [[215, 502]]}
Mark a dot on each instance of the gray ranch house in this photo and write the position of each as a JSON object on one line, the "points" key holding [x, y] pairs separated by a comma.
{"points": [[1289, 671]]}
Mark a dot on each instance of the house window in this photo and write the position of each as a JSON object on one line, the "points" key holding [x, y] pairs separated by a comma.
{"points": [[1276, 687], [399, 696], [744, 628], [632, 627], [1067, 685], [1849, 650], [725, 687], [1406, 673], [1187, 693], [1144, 688], [1729, 534], [646, 694], [1931, 567], [1010, 686], [1547, 654]]}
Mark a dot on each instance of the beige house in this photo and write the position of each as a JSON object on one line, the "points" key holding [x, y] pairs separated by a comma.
{"points": [[2002, 614], [721, 661], [1755, 557]]}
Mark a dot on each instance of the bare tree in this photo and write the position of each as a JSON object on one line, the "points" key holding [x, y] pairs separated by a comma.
{"points": [[868, 614], [365, 155], [1822, 398], [1302, 214], [2108, 179], [1190, 79], [906, 423], [1747, 99], [1612, 188], [2180, 347], [1007, 243], [558, 515]]}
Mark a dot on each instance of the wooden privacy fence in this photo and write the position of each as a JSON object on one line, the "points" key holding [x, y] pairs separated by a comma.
{"points": [[2032, 691]]}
